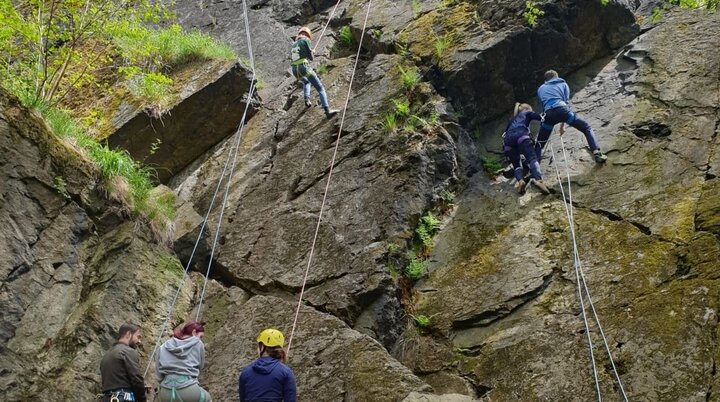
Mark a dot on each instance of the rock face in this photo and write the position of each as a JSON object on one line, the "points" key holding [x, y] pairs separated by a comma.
{"points": [[496, 317], [73, 268], [171, 141], [645, 236]]}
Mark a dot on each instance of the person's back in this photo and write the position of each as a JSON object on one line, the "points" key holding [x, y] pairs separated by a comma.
{"points": [[267, 379], [300, 50], [179, 361], [554, 92]]}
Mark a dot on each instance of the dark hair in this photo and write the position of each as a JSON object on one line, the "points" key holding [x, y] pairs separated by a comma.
{"points": [[275, 352], [187, 329], [550, 74], [125, 328]]}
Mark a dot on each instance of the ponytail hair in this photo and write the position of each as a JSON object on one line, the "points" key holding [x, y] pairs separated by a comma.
{"points": [[521, 107], [186, 330], [275, 352]]}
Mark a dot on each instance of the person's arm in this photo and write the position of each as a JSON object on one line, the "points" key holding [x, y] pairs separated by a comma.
{"points": [[202, 355], [306, 44], [132, 368], [532, 116], [290, 391], [566, 93]]}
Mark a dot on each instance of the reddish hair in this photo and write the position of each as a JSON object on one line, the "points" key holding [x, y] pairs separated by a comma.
{"points": [[187, 329]]}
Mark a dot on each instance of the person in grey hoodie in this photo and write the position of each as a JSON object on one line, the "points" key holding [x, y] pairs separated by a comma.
{"points": [[178, 365]]}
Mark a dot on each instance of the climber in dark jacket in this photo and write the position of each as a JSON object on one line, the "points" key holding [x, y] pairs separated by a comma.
{"points": [[555, 97], [268, 379], [301, 55], [517, 141]]}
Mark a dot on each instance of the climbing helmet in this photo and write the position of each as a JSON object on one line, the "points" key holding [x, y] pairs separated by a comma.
{"points": [[306, 31], [271, 338]]}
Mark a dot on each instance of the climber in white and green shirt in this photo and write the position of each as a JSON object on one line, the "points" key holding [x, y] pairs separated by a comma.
{"points": [[301, 55]]}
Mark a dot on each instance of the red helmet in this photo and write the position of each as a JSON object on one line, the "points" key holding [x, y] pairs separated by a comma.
{"points": [[305, 31]]}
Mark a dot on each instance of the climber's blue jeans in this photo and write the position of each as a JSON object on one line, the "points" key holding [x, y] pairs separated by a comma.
{"points": [[563, 114], [308, 77]]}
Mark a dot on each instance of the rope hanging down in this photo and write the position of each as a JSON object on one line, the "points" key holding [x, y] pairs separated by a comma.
{"points": [[232, 166], [327, 184], [325, 27], [580, 278], [234, 147]]}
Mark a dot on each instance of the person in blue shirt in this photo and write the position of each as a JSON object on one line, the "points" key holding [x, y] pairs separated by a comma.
{"points": [[267, 378], [555, 97], [301, 55], [517, 141]]}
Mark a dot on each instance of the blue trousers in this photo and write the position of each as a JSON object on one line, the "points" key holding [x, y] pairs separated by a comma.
{"points": [[563, 114], [307, 76], [520, 144]]}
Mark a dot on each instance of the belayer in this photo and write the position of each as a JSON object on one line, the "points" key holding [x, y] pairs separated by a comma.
{"points": [[120, 368], [517, 141], [555, 97], [267, 378], [179, 361], [301, 55]]}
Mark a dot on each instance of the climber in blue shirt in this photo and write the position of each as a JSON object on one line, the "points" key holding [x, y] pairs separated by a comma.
{"points": [[555, 97], [517, 141], [267, 378], [301, 55]]}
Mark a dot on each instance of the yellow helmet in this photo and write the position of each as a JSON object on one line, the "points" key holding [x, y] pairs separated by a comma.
{"points": [[271, 338], [306, 31]]}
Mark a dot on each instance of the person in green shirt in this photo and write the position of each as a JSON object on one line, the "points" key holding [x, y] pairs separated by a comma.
{"points": [[301, 55]]}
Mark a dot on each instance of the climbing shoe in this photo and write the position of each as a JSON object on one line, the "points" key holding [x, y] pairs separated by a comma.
{"points": [[329, 113], [540, 186], [599, 157], [520, 187], [308, 103]]}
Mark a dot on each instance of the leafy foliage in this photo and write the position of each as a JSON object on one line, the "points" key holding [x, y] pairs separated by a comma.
{"points": [[532, 13], [346, 36], [389, 123], [402, 107], [421, 320], [416, 266], [491, 164], [427, 228], [442, 44], [410, 77]]}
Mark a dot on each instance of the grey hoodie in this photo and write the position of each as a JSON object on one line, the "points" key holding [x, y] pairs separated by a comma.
{"points": [[182, 357]]}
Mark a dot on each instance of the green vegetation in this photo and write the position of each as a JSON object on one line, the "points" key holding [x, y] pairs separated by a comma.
{"points": [[410, 77], [389, 123], [426, 230], [442, 44], [416, 7], [402, 107], [491, 164], [321, 69], [346, 36], [61, 187], [416, 266], [532, 13], [421, 320]]}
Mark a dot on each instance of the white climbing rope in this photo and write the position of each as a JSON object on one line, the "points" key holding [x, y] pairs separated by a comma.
{"points": [[235, 147], [580, 277], [327, 184], [325, 27], [232, 166]]}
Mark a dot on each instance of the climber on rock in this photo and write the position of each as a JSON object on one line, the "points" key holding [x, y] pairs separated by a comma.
{"points": [[517, 141], [268, 378], [179, 361], [301, 54], [555, 97], [120, 368]]}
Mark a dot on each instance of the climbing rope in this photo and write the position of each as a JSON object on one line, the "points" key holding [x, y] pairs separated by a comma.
{"points": [[232, 166], [234, 147], [327, 184], [580, 277], [325, 27]]}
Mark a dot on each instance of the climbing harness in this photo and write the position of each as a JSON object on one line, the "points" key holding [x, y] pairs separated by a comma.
{"points": [[172, 381], [232, 155], [327, 184], [580, 279]]}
